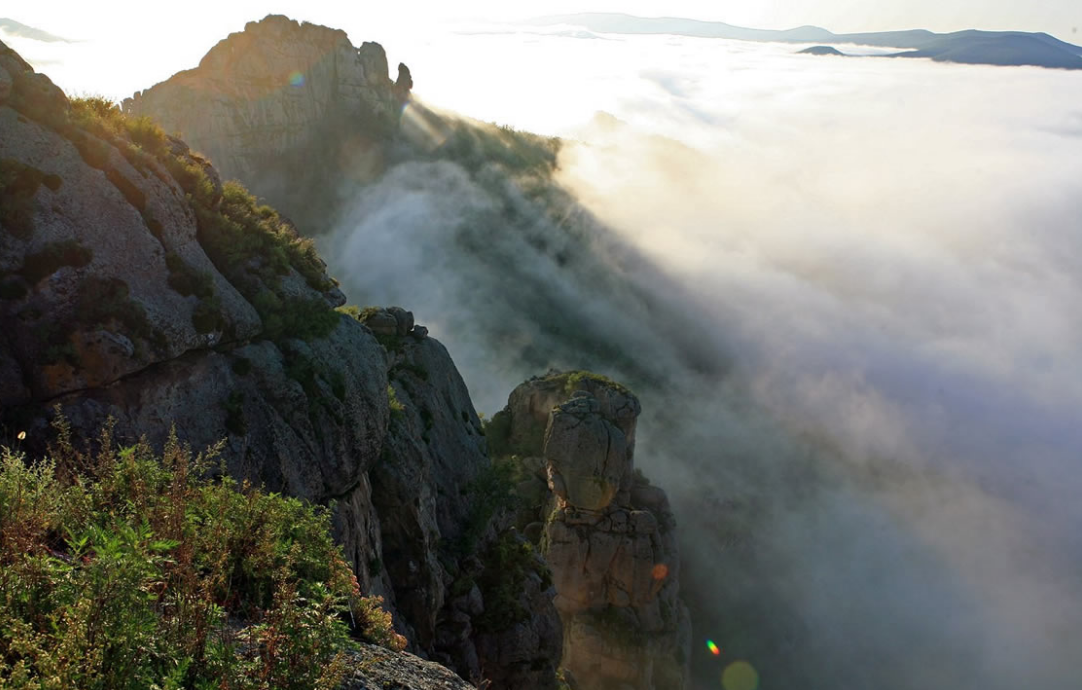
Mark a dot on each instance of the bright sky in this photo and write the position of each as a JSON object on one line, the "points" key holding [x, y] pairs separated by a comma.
{"points": [[127, 45], [196, 18]]}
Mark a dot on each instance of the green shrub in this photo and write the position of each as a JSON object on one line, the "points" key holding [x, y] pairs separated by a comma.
{"points": [[398, 410], [575, 379], [52, 257], [103, 301], [491, 491], [187, 280], [18, 185], [300, 318], [497, 433], [242, 366], [132, 193], [508, 562], [234, 414], [239, 230], [147, 134], [93, 151], [127, 570], [192, 179]]}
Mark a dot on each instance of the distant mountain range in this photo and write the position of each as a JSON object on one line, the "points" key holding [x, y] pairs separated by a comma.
{"points": [[971, 47]]}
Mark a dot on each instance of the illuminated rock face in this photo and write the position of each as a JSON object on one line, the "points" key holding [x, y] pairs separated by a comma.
{"points": [[608, 536], [283, 95]]}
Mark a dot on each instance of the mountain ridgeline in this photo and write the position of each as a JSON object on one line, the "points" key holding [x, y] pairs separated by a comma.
{"points": [[1003, 48], [140, 293]]}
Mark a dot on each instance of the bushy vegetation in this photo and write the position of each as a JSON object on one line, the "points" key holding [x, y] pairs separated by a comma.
{"points": [[102, 118], [294, 318], [576, 379], [254, 248], [497, 432], [474, 146], [491, 491], [508, 562], [124, 569], [18, 185], [52, 257], [103, 301], [398, 410], [42, 264], [240, 230], [187, 281]]}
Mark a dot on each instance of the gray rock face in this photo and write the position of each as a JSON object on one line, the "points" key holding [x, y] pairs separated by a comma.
{"points": [[363, 416], [424, 489], [608, 536], [107, 303], [27, 90], [280, 90]]}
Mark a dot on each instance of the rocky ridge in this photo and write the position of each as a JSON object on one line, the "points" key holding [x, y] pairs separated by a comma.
{"points": [[121, 297]]}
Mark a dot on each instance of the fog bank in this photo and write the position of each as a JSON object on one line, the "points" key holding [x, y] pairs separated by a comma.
{"points": [[848, 294]]}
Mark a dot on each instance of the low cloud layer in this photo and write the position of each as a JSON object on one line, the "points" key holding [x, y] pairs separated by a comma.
{"points": [[848, 289]]}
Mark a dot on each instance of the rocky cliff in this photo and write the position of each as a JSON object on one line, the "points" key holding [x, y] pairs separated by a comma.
{"points": [[135, 285], [283, 93], [607, 535]]}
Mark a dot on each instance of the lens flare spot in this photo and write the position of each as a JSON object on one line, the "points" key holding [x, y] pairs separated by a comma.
{"points": [[714, 649], [740, 675], [296, 79], [661, 571]]}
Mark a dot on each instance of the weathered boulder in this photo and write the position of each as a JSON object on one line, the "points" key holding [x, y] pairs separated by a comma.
{"points": [[587, 455], [391, 321], [376, 668]]}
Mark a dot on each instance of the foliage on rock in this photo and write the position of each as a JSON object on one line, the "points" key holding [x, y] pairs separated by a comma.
{"points": [[127, 569]]}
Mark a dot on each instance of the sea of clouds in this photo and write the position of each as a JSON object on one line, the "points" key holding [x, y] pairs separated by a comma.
{"points": [[849, 291], [863, 345]]}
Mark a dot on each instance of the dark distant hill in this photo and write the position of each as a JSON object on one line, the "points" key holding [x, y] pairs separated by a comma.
{"points": [[821, 50], [1004, 48]]}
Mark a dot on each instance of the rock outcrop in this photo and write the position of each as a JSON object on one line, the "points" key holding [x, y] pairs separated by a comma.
{"points": [[606, 534], [283, 95], [376, 668], [135, 285]]}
